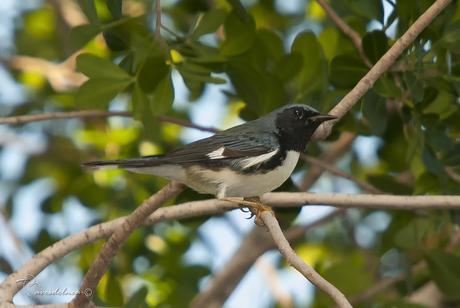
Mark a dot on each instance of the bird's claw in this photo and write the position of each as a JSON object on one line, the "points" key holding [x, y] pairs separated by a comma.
{"points": [[253, 205]]}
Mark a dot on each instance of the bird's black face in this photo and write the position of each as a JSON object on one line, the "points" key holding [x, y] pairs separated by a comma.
{"points": [[297, 124]]}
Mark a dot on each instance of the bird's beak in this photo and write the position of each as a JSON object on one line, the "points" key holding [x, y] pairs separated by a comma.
{"points": [[323, 118]]}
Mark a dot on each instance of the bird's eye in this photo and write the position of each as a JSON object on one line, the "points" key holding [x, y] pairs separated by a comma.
{"points": [[298, 114]]}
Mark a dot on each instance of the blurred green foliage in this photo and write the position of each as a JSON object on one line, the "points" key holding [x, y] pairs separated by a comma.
{"points": [[268, 57]]}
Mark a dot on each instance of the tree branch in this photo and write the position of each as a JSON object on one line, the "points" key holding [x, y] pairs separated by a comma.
{"points": [[268, 217], [365, 201], [382, 65], [346, 29], [334, 170], [87, 114], [336, 150], [61, 76], [158, 19], [118, 237]]}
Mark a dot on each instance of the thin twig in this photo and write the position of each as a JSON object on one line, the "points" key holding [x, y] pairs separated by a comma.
{"points": [[452, 174], [334, 170], [336, 150], [158, 19], [346, 29], [87, 114], [382, 65], [268, 217], [110, 248]]}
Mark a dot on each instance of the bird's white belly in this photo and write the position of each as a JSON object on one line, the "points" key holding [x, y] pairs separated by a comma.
{"points": [[228, 183]]}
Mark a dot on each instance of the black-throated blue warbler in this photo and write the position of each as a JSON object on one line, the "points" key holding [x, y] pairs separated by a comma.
{"points": [[247, 160]]}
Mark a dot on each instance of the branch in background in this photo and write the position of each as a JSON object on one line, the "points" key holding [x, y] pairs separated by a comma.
{"points": [[268, 217], [69, 12], [346, 29], [274, 284], [158, 19], [87, 114], [382, 65], [336, 150], [334, 170], [452, 174], [110, 248], [61, 76]]}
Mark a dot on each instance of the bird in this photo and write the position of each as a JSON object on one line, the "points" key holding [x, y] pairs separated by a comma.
{"points": [[245, 161]]}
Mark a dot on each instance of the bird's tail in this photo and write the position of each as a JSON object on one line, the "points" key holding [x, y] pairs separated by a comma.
{"points": [[147, 161]]}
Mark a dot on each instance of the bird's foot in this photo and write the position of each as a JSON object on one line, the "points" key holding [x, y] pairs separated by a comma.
{"points": [[254, 205]]}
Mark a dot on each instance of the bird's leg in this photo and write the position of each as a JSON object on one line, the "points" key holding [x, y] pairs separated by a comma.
{"points": [[254, 205]]}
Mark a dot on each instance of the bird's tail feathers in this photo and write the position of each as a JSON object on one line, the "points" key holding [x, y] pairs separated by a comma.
{"points": [[147, 161]]}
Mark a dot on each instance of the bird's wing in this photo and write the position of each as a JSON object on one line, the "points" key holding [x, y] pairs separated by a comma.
{"points": [[225, 146], [238, 147]]}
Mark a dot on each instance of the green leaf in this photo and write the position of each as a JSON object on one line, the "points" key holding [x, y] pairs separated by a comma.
{"points": [[450, 40], [239, 36], [375, 44], [346, 71], [288, 66], [113, 292], [163, 97], [272, 43], [89, 9], [201, 77], [99, 92], [437, 139], [140, 103], [432, 163], [137, 300], [306, 45], [96, 67], [452, 157], [115, 8], [445, 271], [415, 85], [114, 40], [371, 9], [413, 234], [151, 73], [388, 183], [261, 91], [375, 111], [81, 35], [386, 87], [210, 22], [443, 105]]}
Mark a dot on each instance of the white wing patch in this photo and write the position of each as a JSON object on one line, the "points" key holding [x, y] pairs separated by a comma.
{"points": [[216, 154], [257, 160]]}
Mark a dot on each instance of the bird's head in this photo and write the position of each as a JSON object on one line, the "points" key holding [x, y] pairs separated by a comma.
{"points": [[295, 124]]}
